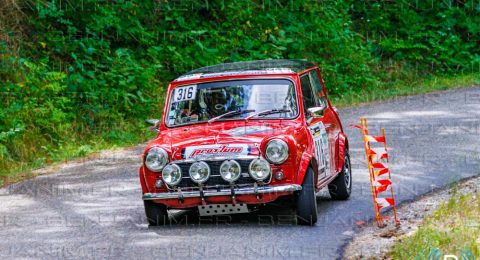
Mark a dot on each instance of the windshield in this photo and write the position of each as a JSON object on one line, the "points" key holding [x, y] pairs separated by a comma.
{"points": [[202, 102]]}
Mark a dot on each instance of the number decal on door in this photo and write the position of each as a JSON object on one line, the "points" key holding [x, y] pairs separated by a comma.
{"points": [[320, 143], [185, 93]]}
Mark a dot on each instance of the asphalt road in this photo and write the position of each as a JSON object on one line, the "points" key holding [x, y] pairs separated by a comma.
{"points": [[93, 209]]}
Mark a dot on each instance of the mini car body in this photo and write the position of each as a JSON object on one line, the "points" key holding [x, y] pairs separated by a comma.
{"points": [[240, 134]]}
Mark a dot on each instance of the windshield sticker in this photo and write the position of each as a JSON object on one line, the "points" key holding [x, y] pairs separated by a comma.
{"points": [[185, 93], [215, 150], [240, 131]]}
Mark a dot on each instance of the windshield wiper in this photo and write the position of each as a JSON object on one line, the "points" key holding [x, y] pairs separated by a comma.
{"points": [[231, 113], [269, 112]]}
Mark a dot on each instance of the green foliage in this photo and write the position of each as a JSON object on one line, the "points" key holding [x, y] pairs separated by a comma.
{"points": [[82, 73], [427, 35], [128, 43], [451, 229]]}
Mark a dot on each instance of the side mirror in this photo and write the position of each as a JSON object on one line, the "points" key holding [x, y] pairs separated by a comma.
{"points": [[155, 123], [315, 112]]}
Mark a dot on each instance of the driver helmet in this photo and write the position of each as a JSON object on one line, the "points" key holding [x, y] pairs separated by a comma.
{"points": [[217, 101]]}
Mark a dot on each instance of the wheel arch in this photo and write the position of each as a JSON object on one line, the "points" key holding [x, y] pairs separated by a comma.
{"points": [[307, 161], [141, 176], [342, 148]]}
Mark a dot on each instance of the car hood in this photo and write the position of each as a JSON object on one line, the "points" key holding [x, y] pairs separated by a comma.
{"points": [[220, 138]]}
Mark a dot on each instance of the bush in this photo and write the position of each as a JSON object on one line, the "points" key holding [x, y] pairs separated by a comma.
{"points": [[436, 36]]}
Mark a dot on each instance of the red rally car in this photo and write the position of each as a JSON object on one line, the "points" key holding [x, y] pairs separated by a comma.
{"points": [[236, 135]]}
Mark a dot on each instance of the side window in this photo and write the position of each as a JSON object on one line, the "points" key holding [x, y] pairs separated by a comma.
{"points": [[317, 88], [307, 94]]}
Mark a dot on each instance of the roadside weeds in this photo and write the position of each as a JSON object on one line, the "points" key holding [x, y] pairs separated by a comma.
{"points": [[417, 218], [130, 153]]}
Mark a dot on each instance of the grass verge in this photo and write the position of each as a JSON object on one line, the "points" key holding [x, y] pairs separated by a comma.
{"points": [[407, 88], [70, 149], [453, 229]]}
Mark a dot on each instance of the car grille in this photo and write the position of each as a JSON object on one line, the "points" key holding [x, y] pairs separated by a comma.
{"points": [[215, 179]]}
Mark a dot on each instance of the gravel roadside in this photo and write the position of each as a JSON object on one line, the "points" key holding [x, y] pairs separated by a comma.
{"points": [[372, 242]]}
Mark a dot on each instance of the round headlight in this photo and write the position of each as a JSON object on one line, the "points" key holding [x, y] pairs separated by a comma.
{"points": [[230, 170], [172, 174], [199, 172], [259, 169], [156, 159], [276, 151]]}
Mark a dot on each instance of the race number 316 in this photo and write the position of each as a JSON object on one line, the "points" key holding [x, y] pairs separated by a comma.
{"points": [[185, 93]]}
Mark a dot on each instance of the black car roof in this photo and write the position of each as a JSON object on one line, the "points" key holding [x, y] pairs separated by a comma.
{"points": [[247, 67]]}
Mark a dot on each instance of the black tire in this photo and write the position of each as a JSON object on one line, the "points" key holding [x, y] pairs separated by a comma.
{"points": [[341, 187], [306, 201], [157, 214]]}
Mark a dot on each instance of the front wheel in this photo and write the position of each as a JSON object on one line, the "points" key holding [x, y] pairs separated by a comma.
{"points": [[157, 214], [306, 201], [341, 187]]}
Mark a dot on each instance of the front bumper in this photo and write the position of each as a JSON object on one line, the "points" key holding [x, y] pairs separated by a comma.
{"points": [[223, 192]]}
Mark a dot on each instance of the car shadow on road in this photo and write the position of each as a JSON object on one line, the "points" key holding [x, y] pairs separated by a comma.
{"points": [[278, 213]]}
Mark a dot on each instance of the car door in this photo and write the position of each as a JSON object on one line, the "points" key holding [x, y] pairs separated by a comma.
{"points": [[329, 118], [317, 128]]}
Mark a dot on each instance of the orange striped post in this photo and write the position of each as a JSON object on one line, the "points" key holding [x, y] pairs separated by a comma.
{"points": [[364, 128], [397, 222], [377, 159]]}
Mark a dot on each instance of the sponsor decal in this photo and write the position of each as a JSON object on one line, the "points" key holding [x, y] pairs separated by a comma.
{"points": [[216, 150], [320, 141]]}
